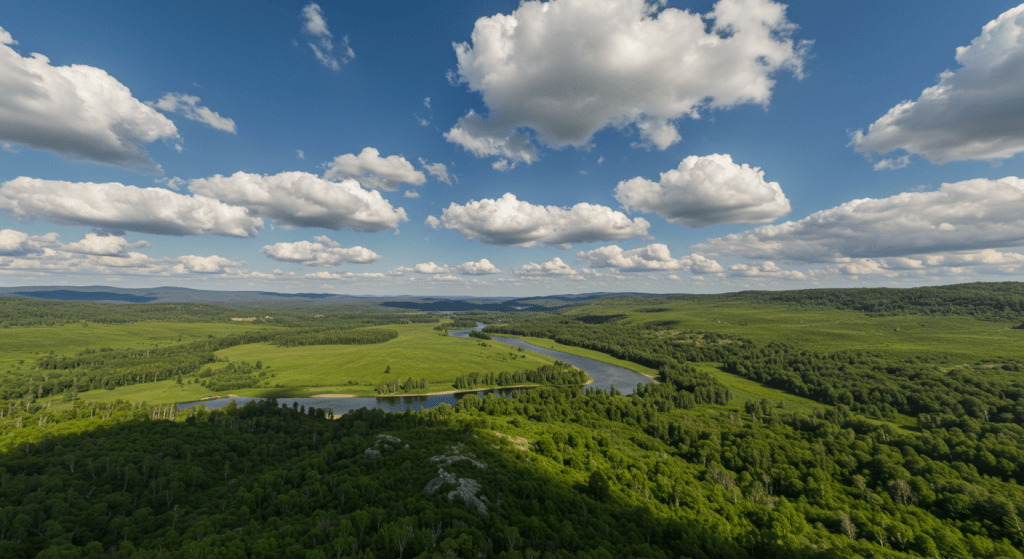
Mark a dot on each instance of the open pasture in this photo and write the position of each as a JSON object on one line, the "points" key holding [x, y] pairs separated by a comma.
{"points": [[958, 338], [418, 352], [27, 343]]}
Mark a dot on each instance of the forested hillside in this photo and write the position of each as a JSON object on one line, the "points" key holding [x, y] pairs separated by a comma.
{"points": [[909, 453]]}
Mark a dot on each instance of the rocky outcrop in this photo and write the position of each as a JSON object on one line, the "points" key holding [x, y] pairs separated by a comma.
{"points": [[381, 444], [466, 489]]}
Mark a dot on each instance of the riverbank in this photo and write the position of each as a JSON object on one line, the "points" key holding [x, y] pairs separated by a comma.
{"points": [[585, 353]]}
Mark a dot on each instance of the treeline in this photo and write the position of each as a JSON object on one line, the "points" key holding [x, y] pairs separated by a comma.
{"points": [[984, 300], [882, 386], [557, 373], [24, 311], [395, 386], [233, 376], [334, 337]]}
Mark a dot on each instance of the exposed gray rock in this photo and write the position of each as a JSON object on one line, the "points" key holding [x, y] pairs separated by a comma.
{"points": [[456, 456], [374, 453], [466, 489], [442, 478]]}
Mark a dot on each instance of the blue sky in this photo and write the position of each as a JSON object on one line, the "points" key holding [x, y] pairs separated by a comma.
{"points": [[499, 148]]}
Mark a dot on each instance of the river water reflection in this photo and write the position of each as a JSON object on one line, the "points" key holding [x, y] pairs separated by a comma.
{"points": [[605, 376]]}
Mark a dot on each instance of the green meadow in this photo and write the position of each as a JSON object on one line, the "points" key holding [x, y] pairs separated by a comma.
{"points": [[960, 338], [418, 352], [27, 343]]}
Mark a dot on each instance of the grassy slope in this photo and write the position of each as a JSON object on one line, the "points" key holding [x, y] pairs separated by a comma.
{"points": [[27, 343], [960, 338], [418, 352]]}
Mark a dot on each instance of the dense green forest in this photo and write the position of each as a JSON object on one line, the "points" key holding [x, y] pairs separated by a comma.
{"points": [[910, 454], [984, 300]]}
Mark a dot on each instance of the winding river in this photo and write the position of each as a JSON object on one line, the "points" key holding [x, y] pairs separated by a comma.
{"points": [[605, 376]]}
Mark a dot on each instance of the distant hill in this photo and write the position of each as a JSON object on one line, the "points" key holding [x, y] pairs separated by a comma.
{"points": [[98, 293], [101, 293]]}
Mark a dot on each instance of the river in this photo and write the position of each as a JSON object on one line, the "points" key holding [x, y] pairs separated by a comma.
{"points": [[605, 376]]}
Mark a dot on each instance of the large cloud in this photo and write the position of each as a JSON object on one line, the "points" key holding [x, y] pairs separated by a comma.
{"points": [[16, 243], [976, 112], [374, 171], [482, 267], [77, 111], [511, 222], [706, 191], [316, 25], [324, 252], [655, 257], [304, 200], [188, 106], [568, 68], [117, 206], [964, 216]]}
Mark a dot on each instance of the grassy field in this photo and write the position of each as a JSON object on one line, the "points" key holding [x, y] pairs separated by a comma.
{"points": [[960, 338], [160, 392], [25, 344], [418, 352]]}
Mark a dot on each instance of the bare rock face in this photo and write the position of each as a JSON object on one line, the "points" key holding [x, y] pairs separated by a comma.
{"points": [[455, 455], [442, 478], [466, 489], [373, 451]]}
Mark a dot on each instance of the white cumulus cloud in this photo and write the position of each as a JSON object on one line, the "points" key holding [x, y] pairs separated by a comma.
{"points": [[512, 222], [316, 25], [17, 243], [654, 257], [568, 68], [301, 199], [374, 171], [975, 112], [552, 268], [706, 190], [77, 111], [764, 270], [970, 215], [102, 245], [319, 253], [206, 265], [478, 268], [188, 106], [115, 206]]}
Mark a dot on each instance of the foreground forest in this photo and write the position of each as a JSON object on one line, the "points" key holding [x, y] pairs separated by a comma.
{"points": [[872, 423]]}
